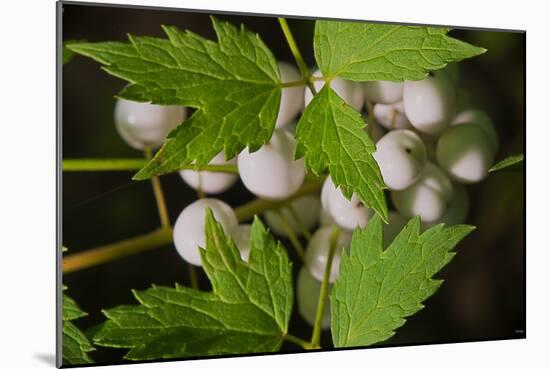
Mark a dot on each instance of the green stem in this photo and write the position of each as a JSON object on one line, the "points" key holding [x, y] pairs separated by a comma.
{"points": [[317, 327], [297, 341], [299, 222], [300, 82], [122, 164], [193, 276], [116, 250], [163, 236], [304, 70], [159, 195], [298, 247]]}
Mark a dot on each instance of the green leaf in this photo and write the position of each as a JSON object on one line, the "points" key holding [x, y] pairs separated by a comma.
{"points": [[505, 163], [361, 51], [67, 53], [331, 135], [234, 84], [247, 311], [75, 343], [377, 289]]}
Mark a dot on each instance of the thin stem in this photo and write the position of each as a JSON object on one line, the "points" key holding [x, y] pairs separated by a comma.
{"points": [[116, 250], [89, 165], [297, 341], [193, 276], [159, 195], [316, 336], [291, 235], [162, 236], [129, 164], [304, 70], [258, 206], [299, 222], [300, 82]]}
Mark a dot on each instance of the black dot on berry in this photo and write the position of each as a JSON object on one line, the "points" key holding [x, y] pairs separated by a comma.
{"points": [[408, 150]]}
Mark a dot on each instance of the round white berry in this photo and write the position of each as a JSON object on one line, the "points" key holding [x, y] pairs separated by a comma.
{"points": [[305, 208], [465, 153], [385, 92], [189, 230], [241, 236], [210, 182], [350, 92], [143, 124], [292, 98], [396, 223], [307, 295], [391, 116], [428, 197], [272, 172], [480, 118], [430, 103], [346, 213], [316, 256], [458, 208], [401, 155]]}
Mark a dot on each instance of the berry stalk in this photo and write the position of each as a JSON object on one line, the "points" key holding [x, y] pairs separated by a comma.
{"points": [[304, 70], [163, 236], [317, 327]]}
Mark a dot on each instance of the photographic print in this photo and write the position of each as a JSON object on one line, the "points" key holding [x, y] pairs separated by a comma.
{"points": [[240, 184]]}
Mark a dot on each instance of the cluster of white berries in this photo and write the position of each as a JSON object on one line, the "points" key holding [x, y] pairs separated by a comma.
{"points": [[428, 146]]}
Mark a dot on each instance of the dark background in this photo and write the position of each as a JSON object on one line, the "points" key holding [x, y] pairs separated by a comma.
{"points": [[483, 296]]}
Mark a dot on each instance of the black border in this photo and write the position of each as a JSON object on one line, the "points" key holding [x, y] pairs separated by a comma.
{"points": [[59, 173]]}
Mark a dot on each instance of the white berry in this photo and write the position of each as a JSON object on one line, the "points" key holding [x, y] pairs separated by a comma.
{"points": [[346, 213], [307, 296], [458, 208], [305, 208], [272, 172], [189, 230], [465, 152], [350, 92], [480, 118], [143, 124], [316, 256], [401, 156], [210, 182], [430, 103], [428, 197], [241, 236], [292, 98], [391, 116], [385, 92]]}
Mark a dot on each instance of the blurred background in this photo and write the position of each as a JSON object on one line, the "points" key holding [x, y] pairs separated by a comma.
{"points": [[483, 297]]}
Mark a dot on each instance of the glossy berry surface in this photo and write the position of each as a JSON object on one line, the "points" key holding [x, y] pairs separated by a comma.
{"points": [[401, 156], [143, 124], [346, 213], [272, 172], [316, 256], [210, 182], [430, 103], [428, 197], [465, 153], [189, 233], [292, 98]]}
